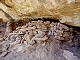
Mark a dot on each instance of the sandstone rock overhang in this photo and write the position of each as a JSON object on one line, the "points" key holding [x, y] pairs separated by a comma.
{"points": [[67, 11]]}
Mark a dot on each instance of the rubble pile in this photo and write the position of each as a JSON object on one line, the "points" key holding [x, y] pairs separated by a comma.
{"points": [[51, 37], [35, 32]]}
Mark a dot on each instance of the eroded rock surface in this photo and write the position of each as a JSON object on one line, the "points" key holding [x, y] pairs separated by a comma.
{"points": [[68, 11]]}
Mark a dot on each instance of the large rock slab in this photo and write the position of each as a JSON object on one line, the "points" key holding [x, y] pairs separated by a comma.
{"points": [[68, 11]]}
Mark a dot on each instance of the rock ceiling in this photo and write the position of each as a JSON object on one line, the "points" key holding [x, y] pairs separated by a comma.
{"points": [[67, 11]]}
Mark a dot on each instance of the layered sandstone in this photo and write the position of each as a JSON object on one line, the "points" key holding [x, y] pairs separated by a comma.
{"points": [[67, 11]]}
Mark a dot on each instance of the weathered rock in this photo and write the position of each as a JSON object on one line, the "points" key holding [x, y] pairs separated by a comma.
{"points": [[43, 38], [27, 37], [18, 48], [9, 28], [4, 54], [14, 43], [1, 39], [69, 55], [67, 11]]}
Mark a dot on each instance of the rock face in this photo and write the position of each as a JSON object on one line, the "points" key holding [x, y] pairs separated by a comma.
{"points": [[68, 11]]}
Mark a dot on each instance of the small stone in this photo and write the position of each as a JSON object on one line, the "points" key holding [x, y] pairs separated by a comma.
{"points": [[52, 29], [44, 27], [4, 54], [14, 43], [0, 51], [40, 21], [60, 34], [1, 36], [69, 55], [41, 32], [27, 37], [39, 36], [39, 27], [25, 42], [61, 38], [18, 48], [44, 44], [0, 48], [20, 32], [35, 32], [29, 24], [12, 37], [55, 34], [58, 37], [33, 21], [59, 31], [23, 30], [55, 28], [39, 42], [66, 34], [16, 31], [58, 24], [23, 27], [31, 42], [18, 38], [71, 29], [18, 28], [5, 48], [42, 39], [64, 27], [34, 27], [52, 24], [48, 22], [49, 33], [30, 32], [1, 39], [60, 28]]}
